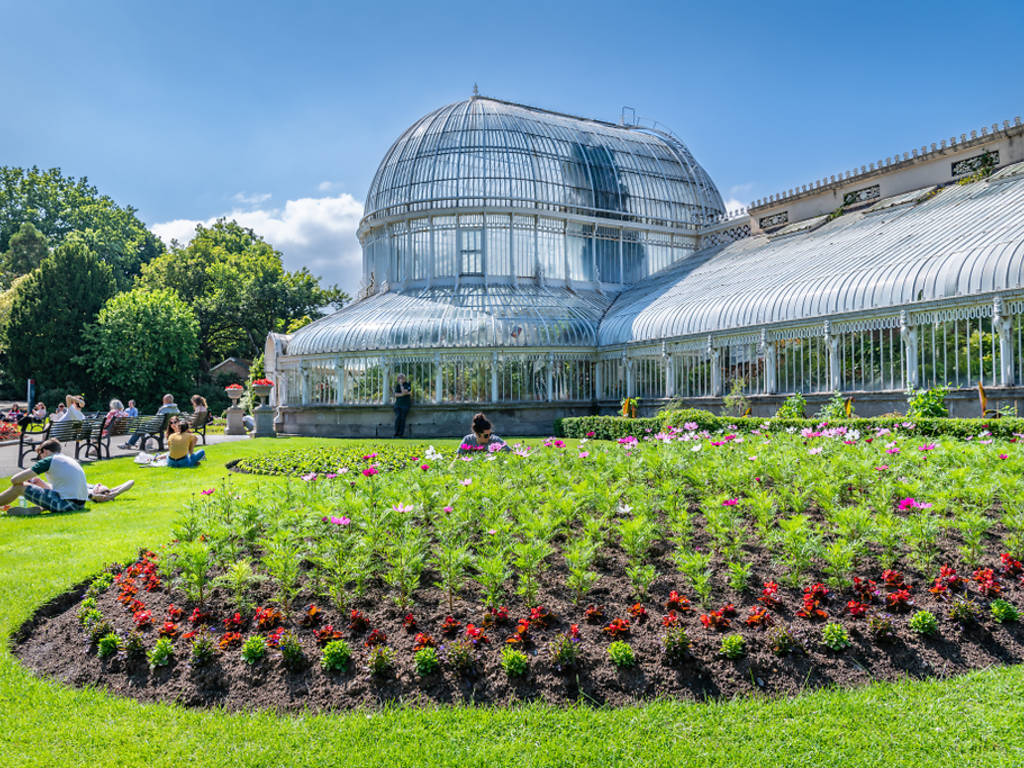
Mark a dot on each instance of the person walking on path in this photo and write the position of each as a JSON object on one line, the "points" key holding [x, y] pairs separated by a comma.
{"points": [[403, 402]]}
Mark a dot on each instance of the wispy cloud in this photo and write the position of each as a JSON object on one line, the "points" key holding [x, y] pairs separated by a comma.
{"points": [[314, 232], [251, 199], [738, 196], [326, 186]]}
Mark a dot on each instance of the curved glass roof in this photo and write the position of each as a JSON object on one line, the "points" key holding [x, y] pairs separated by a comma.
{"points": [[965, 240], [492, 316], [485, 153]]}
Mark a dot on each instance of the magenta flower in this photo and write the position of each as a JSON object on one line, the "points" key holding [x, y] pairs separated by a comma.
{"points": [[330, 476], [892, 451], [584, 454], [927, 447], [448, 509], [730, 502], [369, 471], [339, 520], [911, 503], [1003, 456], [591, 433], [881, 468], [207, 492]]}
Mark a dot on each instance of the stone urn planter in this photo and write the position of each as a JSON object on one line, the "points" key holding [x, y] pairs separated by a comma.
{"points": [[235, 425], [263, 413]]}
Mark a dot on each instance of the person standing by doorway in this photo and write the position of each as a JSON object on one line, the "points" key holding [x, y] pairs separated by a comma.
{"points": [[403, 402]]}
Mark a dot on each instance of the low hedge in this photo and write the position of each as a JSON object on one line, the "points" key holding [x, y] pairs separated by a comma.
{"points": [[615, 427]]}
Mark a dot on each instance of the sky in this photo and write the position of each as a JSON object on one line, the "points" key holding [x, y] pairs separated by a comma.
{"points": [[277, 114]]}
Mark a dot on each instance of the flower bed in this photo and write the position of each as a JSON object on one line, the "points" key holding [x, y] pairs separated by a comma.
{"points": [[9, 430], [688, 565], [299, 462]]}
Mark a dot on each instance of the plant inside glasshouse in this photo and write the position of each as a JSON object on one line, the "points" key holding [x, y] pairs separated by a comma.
{"points": [[684, 563]]}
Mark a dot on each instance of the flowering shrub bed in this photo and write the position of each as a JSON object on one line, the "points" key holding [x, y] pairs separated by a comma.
{"points": [[9, 430], [299, 462], [713, 563]]}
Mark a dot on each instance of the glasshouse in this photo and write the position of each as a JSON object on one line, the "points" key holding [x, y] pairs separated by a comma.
{"points": [[537, 265]]}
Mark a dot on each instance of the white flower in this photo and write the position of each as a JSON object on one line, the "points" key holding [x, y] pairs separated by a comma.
{"points": [[696, 447]]}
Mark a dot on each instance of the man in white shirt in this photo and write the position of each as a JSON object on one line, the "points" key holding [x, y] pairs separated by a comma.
{"points": [[66, 490], [75, 404]]}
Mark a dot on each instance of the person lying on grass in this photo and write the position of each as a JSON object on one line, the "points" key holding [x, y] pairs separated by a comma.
{"points": [[66, 491]]}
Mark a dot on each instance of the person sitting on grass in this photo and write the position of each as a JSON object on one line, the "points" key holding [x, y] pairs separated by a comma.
{"points": [[167, 407], [181, 446], [482, 438], [66, 490]]}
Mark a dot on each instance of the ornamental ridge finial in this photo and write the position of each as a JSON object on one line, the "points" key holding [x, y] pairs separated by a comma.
{"points": [[476, 91]]}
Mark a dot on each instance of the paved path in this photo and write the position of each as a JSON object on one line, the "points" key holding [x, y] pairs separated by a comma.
{"points": [[9, 454]]}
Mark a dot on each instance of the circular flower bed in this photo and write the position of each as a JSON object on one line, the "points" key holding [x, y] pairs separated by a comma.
{"points": [[687, 565]]}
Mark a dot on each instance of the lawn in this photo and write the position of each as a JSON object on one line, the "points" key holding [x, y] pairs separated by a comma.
{"points": [[973, 720]]}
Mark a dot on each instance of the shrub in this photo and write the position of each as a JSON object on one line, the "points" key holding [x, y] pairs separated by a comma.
{"points": [[381, 660], [733, 647], [100, 584], [835, 637], [459, 656], [108, 645], [736, 404], [964, 611], [336, 657], [426, 661], [621, 653], [203, 649], [254, 649], [135, 646], [1004, 611], [832, 409], [924, 623], [292, 655], [782, 641], [98, 630], [881, 628], [794, 407], [161, 653], [677, 644], [564, 651], [514, 662], [927, 403]]}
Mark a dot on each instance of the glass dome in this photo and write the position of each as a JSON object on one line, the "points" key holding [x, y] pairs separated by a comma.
{"points": [[486, 153]]}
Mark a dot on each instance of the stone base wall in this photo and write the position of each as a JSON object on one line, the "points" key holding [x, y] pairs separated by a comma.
{"points": [[538, 419], [526, 419]]}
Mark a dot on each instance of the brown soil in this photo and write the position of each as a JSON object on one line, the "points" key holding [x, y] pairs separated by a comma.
{"points": [[53, 644]]}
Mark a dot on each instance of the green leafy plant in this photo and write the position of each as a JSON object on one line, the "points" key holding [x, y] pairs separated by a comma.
{"points": [[832, 409], [254, 649], [677, 644], [459, 656], [292, 655], [426, 661], [1003, 611], [514, 662], [621, 654], [564, 652], [161, 653], [923, 403], [381, 660], [834, 636], [964, 611], [203, 649], [194, 559], [794, 407], [782, 641], [108, 645], [924, 623], [733, 647], [336, 656], [135, 646], [100, 584]]}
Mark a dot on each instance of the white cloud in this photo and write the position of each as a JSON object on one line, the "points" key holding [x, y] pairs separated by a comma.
{"points": [[253, 199], [738, 196], [325, 186], [314, 232]]}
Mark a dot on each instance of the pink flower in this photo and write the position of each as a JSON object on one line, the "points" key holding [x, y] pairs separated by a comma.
{"points": [[369, 472], [927, 447], [330, 476], [815, 451], [208, 492], [584, 454], [310, 477], [690, 426], [881, 468], [730, 502], [402, 509], [448, 509], [492, 531], [1003, 456], [591, 434], [424, 467], [911, 503], [466, 482], [751, 458], [340, 520], [892, 451]]}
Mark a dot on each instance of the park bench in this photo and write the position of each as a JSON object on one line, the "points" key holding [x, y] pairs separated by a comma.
{"points": [[69, 431], [197, 423], [153, 428]]}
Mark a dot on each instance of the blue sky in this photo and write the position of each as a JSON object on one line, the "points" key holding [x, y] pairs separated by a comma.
{"points": [[278, 113]]}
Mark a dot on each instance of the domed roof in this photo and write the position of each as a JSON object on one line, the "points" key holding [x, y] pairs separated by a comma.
{"points": [[439, 318], [488, 153]]}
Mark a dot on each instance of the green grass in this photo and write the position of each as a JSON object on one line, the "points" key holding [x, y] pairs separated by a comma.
{"points": [[974, 720]]}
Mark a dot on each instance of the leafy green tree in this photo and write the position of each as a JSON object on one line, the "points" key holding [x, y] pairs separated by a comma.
{"points": [[25, 252], [58, 205], [239, 289], [143, 344], [48, 312]]}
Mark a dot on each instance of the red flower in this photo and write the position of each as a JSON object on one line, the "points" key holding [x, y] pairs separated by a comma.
{"points": [[495, 616], [357, 621], [899, 600], [866, 589], [268, 618], [594, 613], [476, 635], [175, 612], [233, 622], [311, 617], [409, 622], [169, 629], [136, 606], [728, 609], [769, 595], [617, 627], [987, 582], [715, 620], [856, 609], [671, 620], [326, 634], [376, 637], [540, 616], [638, 612], [191, 634], [263, 383], [519, 637], [274, 638], [1011, 566], [676, 602], [813, 602], [423, 640], [142, 619], [892, 578], [759, 617], [574, 631], [230, 639], [947, 580], [450, 625], [198, 617]]}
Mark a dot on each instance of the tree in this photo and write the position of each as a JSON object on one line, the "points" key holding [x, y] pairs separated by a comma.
{"points": [[58, 206], [143, 344], [26, 250], [49, 310], [237, 285]]}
